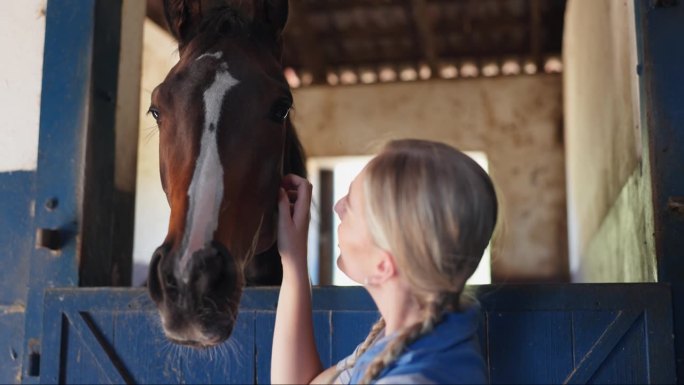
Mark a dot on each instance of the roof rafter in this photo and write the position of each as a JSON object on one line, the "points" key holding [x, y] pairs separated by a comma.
{"points": [[313, 59], [424, 32]]}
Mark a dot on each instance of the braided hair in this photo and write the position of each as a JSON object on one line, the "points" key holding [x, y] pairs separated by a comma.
{"points": [[435, 210], [433, 314]]}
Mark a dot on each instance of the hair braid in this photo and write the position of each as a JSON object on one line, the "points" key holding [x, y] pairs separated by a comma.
{"points": [[433, 315], [372, 335]]}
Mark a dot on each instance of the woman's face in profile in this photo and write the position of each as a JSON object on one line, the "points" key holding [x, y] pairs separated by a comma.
{"points": [[355, 242]]}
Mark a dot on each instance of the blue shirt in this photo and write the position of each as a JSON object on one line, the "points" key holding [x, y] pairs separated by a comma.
{"points": [[450, 354]]}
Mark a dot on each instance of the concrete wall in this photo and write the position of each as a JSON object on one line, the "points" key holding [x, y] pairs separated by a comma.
{"points": [[22, 31], [609, 194]]}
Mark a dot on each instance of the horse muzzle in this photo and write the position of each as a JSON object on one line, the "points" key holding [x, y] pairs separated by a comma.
{"points": [[198, 301]]}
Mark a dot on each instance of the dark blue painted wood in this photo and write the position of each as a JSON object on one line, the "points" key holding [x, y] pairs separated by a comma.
{"points": [[11, 335], [659, 35], [627, 361], [347, 323], [538, 336], [588, 326], [16, 243], [16, 220], [75, 167], [531, 334], [64, 100], [605, 346]]}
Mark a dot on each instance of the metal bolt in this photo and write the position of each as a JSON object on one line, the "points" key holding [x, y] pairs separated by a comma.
{"points": [[51, 204]]}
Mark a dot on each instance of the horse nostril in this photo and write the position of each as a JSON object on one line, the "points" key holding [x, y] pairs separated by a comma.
{"points": [[153, 284]]}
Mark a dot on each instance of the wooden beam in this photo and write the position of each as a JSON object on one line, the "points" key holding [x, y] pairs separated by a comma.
{"points": [[535, 33], [300, 32], [423, 29]]}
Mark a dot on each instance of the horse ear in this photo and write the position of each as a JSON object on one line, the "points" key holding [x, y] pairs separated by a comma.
{"points": [[183, 18], [275, 14]]}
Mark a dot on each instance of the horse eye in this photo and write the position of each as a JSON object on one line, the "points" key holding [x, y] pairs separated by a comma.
{"points": [[154, 112], [280, 111]]}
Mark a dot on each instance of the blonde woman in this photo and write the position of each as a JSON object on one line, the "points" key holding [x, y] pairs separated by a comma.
{"points": [[413, 227]]}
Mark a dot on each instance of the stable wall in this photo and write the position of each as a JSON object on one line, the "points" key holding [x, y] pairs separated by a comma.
{"points": [[516, 121], [22, 31], [22, 36], [609, 189]]}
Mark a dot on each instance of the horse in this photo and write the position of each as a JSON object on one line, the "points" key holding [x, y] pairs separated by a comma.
{"points": [[225, 141]]}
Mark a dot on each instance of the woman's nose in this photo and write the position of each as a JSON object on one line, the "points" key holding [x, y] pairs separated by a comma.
{"points": [[338, 207]]}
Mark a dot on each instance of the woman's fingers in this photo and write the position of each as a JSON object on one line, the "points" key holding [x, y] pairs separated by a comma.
{"points": [[299, 193], [294, 200], [303, 204], [284, 206]]}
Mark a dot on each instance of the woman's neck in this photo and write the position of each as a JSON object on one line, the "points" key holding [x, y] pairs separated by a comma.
{"points": [[397, 305]]}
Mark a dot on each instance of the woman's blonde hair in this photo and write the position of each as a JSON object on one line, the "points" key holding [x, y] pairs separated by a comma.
{"points": [[434, 209]]}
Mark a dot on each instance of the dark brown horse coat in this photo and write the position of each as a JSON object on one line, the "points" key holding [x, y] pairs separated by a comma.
{"points": [[225, 143]]}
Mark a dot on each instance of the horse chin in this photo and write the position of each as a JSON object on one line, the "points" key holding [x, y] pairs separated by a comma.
{"points": [[200, 334], [201, 325], [198, 302]]}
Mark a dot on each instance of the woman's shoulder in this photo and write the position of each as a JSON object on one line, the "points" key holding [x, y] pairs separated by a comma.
{"points": [[449, 354], [462, 364]]}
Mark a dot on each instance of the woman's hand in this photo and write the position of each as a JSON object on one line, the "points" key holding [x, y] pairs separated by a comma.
{"points": [[294, 358], [294, 204]]}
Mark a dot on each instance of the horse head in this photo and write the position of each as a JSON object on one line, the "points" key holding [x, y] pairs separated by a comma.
{"points": [[224, 142]]}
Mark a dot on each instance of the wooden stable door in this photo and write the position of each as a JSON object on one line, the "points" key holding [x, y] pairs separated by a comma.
{"points": [[612, 333]]}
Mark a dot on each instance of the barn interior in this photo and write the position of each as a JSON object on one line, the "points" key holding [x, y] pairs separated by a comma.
{"points": [[495, 78], [574, 108]]}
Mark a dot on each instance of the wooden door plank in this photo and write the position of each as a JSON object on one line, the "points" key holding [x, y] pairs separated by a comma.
{"points": [[587, 327], [102, 352], [349, 329], [530, 334], [606, 343], [143, 348], [539, 351]]}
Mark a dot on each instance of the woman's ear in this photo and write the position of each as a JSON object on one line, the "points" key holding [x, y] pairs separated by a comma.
{"points": [[384, 269]]}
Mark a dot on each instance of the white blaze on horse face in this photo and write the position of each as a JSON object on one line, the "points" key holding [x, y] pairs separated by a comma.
{"points": [[206, 189], [216, 55]]}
